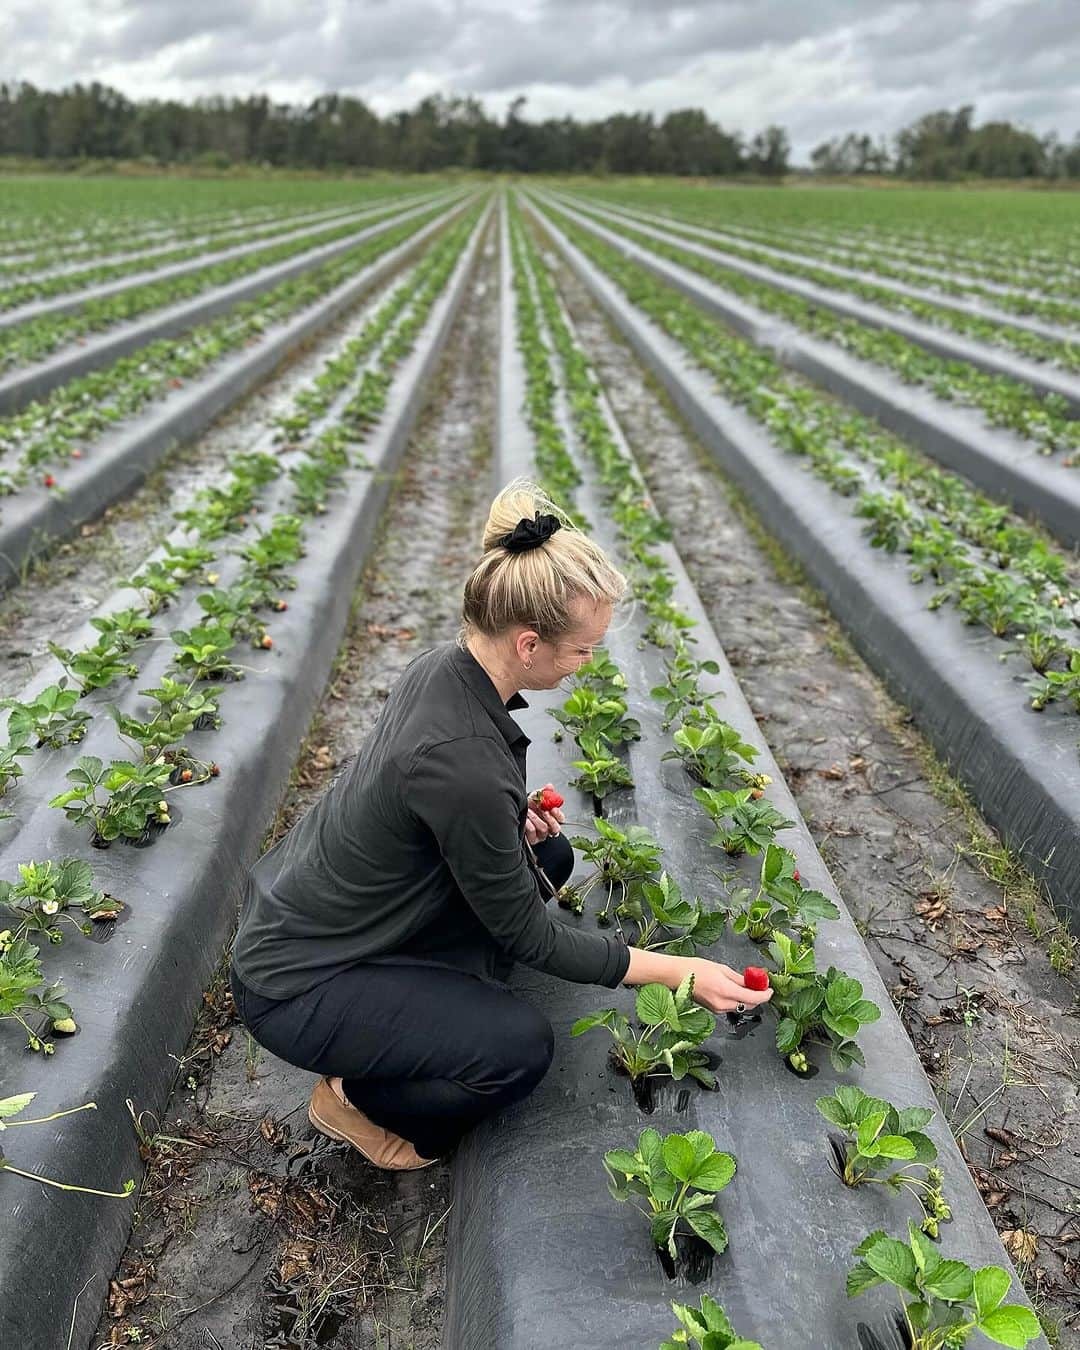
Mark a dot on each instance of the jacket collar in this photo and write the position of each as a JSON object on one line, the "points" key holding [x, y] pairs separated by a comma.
{"points": [[478, 681]]}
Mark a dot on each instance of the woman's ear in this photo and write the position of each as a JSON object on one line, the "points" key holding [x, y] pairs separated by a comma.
{"points": [[525, 644]]}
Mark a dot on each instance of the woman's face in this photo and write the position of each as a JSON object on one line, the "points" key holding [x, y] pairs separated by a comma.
{"points": [[554, 661]]}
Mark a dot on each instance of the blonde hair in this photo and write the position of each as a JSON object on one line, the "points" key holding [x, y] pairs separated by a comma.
{"points": [[534, 588]]}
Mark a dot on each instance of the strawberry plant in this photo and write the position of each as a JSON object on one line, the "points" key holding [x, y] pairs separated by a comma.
{"points": [[10, 768], [13, 1106], [621, 859], [681, 691], [754, 821], [601, 775], [157, 583], [53, 718], [203, 651], [707, 1327], [1058, 684], [660, 912], [712, 752], [602, 676], [596, 722], [24, 994], [169, 725], [118, 800], [817, 1009], [874, 1136], [948, 1300], [779, 901], [48, 891], [96, 667], [673, 1026], [678, 1177]]}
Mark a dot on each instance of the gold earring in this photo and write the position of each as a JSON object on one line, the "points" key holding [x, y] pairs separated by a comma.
{"points": [[527, 665]]}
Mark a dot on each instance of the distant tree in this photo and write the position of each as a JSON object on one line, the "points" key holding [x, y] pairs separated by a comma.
{"points": [[769, 151]]}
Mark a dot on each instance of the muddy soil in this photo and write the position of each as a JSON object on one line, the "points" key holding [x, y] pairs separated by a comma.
{"points": [[253, 1231], [960, 935], [61, 591]]}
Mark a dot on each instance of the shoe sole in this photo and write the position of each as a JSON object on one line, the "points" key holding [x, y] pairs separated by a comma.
{"points": [[329, 1130]]}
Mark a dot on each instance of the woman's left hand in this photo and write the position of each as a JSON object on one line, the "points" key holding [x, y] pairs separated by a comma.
{"points": [[540, 824]]}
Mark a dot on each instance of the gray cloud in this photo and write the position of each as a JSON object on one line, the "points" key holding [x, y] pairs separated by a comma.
{"points": [[821, 67]]}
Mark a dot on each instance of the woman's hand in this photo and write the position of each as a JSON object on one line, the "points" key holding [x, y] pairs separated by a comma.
{"points": [[716, 986], [540, 824], [719, 988]]}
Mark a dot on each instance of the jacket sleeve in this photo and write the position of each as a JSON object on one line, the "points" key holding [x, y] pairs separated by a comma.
{"points": [[467, 795]]}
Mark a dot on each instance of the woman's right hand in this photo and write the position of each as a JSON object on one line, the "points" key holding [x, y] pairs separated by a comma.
{"points": [[719, 988]]}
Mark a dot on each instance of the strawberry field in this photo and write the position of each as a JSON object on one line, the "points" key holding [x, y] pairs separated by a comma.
{"points": [[248, 436]]}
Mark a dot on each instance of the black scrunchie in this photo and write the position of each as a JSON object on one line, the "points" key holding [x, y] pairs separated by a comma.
{"points": [[528, 533]]}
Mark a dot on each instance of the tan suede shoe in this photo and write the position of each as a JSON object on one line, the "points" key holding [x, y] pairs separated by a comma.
{"points": [[334, 1116]]}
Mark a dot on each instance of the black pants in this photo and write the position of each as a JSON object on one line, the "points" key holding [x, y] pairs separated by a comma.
{"points": [[427, 1041]]}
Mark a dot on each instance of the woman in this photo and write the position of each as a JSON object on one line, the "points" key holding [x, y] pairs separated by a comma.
{"points": [[377, 935]]}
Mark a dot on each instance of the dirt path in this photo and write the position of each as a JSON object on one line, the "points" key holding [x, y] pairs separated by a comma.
{"points": [[252, 1231], [960, 936]]}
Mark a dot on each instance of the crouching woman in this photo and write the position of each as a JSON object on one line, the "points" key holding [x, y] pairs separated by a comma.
{"points": [[376, 937]]}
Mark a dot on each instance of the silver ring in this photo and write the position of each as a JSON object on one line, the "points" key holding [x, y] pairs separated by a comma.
{"points": [[740, 1007]]}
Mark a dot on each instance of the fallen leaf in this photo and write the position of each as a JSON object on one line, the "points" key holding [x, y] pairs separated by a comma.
{"points": [[1021, 1244], [835, 772]]}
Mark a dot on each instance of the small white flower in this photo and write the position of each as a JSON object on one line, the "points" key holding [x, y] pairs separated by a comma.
{"points": [[49, 906]]}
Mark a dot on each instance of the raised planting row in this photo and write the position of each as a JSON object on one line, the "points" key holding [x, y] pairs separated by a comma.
{"points": [[1048, 365], [693, 1120], [864, 264], [1021, 230], [879, 373], [32, 332], [967, 693], [134, 996], [94, 439], [69, 283], [61, 213], [22, 386]]}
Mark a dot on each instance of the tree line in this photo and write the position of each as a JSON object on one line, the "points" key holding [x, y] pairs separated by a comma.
{"points": [[947, 145], [339, 132], [336, 131]]}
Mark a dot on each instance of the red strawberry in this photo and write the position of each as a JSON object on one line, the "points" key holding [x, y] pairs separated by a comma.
{"points": [[76, 454], [795, 875], [49, 480], [547, 799], [754, 977], [186, 776], [215, 771], [267, 641]]}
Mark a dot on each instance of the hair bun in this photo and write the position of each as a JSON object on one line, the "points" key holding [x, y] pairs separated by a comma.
{"points": [[528, 534]]}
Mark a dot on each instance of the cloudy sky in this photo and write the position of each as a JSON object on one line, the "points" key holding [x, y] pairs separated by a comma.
{"points": [[819, 67]]}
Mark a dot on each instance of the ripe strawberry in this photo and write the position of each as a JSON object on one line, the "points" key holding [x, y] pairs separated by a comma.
{"points": [[186, 776], [215, 771], [754, 977], [795, 875], [267, 641], [547, 799], [281, 605], [76, 453], [49, 480]]}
